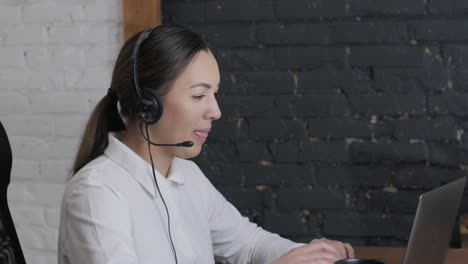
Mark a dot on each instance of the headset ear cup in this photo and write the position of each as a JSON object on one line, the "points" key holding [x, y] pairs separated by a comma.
{"points": [[152, 108]]}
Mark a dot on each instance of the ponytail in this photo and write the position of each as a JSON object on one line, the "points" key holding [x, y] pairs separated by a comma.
{"points": [[105, 118]]}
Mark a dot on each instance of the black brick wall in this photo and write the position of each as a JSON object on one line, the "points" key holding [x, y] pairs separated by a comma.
{"points": [[337, 114]]}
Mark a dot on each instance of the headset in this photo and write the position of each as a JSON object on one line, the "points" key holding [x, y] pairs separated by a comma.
{"points": [[150, 107], [150, 110]]}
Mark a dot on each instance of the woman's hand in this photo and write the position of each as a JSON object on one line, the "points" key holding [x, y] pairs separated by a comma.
{"points": [[318, 251]]}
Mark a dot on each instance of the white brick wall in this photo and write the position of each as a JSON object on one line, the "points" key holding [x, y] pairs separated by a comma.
{"points": [[56, 58]]}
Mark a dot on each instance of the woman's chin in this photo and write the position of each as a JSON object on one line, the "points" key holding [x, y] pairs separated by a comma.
{"points": [[190, 152]]}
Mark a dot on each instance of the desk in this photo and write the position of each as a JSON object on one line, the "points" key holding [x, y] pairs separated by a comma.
{"points": [[395, 255]]}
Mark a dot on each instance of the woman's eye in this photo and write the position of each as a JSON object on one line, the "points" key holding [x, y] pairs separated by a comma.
{"points": [[198, 97]]}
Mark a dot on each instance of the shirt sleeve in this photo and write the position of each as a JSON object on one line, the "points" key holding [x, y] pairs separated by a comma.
{"points": [[237, 240], [98, 227]]}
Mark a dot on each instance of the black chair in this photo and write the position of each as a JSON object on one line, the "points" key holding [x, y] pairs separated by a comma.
{"points": [[10, 249]]}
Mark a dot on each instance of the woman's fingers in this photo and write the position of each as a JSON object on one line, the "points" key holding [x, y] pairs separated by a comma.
{"points": [[320, 246], [349, 250], [318, 251], [339, 246], [338, 249]]}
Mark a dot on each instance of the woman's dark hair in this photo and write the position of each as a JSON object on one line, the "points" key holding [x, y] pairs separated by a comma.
{"points": [[162, 56]]}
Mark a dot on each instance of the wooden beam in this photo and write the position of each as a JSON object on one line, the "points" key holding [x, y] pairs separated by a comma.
{"points": [[139, 15]]}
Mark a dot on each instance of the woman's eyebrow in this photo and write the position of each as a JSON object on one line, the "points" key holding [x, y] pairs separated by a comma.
{"points": [[202, 84]]}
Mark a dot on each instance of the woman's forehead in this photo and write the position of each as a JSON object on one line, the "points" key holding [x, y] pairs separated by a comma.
{"points": [[202, 68]]}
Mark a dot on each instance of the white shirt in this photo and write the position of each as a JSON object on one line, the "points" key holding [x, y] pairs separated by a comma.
{"points": [[112, 213]]}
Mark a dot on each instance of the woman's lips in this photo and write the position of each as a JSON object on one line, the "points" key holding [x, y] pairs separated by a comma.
{"points": [[200, 135]]}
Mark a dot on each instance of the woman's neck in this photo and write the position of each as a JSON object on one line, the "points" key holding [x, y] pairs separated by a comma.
{"points": [[162, 159]]}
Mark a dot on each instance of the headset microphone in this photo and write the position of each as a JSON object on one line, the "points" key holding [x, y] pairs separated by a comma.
{"points": [[186, 144]]}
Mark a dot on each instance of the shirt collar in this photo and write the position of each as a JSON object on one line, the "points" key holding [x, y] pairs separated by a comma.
{"points": [[176, 174], [138, 167]]}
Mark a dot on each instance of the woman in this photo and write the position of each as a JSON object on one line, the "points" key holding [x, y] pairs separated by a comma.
{"points": [[132, 201]]}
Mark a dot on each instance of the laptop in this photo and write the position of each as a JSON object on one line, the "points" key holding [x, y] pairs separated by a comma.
{"points": [[433, 224]]}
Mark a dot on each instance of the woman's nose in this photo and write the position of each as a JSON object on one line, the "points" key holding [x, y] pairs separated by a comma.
{"points": [[214, 112]]}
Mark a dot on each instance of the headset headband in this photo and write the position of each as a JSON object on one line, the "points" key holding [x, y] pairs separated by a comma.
{"points": [[134, 59]]}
